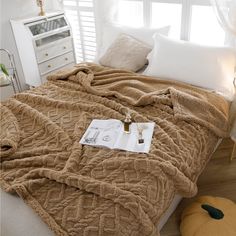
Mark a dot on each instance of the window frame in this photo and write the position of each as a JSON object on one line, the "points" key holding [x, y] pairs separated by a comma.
{"points": [[82, 41], [186, 17]]}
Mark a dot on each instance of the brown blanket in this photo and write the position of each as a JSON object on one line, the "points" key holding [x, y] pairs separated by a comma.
{"points": [[83, 190]]}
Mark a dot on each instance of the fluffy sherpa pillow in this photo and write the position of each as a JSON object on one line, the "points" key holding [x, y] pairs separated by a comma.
{"points": [[127, 53]]}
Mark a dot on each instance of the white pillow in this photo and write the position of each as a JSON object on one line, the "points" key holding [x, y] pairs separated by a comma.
{"points": [[126, 52], [111, 32], [207, 67]]}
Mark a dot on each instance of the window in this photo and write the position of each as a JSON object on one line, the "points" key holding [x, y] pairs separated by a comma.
{"points": [[205, 29], [80, 14], [192, 20], [163, 14], [130, 13]]}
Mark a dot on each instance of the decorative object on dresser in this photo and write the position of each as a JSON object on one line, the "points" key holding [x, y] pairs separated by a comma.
{"points": [[44, 44], [209, 216], [40, 4]]}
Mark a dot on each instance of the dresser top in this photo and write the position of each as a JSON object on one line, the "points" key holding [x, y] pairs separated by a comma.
{"points": [[33, 18]]}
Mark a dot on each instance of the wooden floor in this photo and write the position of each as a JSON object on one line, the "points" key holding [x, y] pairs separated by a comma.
{"points": [[218, 179]]}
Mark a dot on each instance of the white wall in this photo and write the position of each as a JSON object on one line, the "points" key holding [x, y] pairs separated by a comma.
{"points": [[10, 9]]}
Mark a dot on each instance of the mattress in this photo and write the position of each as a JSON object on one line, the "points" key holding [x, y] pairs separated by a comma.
{"points": [[18, 219]]}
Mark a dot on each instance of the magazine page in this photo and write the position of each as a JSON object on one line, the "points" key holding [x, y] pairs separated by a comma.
{"points": [[102, 133], [138, 140]]}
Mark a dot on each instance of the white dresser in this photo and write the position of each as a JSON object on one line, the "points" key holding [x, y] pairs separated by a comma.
{"points": [[44, 44]]}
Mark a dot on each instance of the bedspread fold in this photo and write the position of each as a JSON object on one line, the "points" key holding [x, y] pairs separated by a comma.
{"points": [[83, 190], [9, 135], [189, 103]]}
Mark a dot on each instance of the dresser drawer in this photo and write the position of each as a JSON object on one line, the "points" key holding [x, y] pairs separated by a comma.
{"points": [[56, 63], [44, 77], [53, 51]]}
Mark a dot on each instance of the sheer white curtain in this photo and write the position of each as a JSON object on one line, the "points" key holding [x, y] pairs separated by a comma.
{"points": [[106, 10], [226, 14]]}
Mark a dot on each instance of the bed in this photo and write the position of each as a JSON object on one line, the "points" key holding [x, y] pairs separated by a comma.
{"points": [[82, 190], [26, 222]]}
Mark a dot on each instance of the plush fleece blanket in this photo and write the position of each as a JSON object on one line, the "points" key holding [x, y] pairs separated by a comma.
{"points": [[87, 191]]}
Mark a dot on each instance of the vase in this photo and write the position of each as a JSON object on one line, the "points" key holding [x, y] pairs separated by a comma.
{"points": [[40, 4], [4, 80]]}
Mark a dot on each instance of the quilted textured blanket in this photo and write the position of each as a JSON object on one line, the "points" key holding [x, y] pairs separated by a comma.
{"points": [[83, 190]]}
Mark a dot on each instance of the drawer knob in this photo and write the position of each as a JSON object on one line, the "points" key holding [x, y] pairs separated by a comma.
{"points": [[66, 59], [46, 54], [64, 47], [49, 66]]}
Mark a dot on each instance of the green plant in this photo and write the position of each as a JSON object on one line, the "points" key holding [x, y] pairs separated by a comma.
{"points": [[4, 69]]}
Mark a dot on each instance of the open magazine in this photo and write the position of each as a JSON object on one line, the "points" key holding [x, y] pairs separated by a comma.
{"points": [[110, 134]]}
